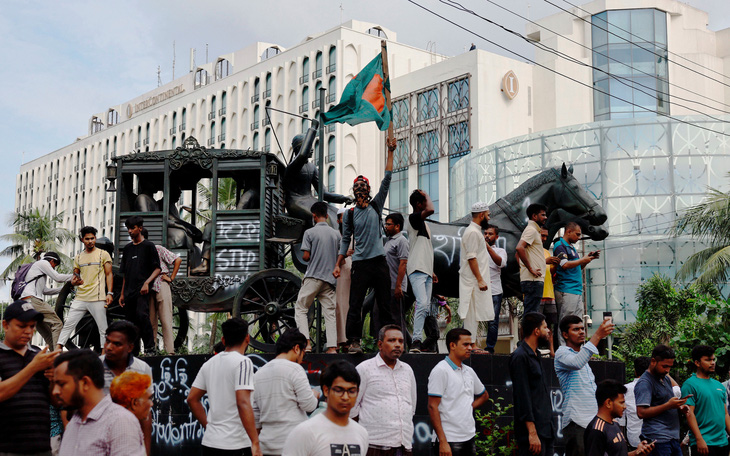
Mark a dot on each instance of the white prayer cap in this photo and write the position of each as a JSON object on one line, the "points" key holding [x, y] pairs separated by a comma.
{"points": [[341, 210], [479, 207]]}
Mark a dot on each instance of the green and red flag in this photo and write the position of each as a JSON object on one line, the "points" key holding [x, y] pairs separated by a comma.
{"points": [[364, 98]]}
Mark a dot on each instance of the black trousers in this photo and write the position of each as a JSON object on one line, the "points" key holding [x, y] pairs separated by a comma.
{"points": [[371, 273], [208, 451], [467, 448], [137, 310], [547, 447], [713, 450]]}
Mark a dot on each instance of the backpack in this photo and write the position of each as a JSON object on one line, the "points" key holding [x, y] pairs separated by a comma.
{"points": [[19, 281]]}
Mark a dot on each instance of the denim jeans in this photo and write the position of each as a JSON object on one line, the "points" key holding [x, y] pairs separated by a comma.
{"points": [[670, 448], [532, 289], [422, 285], [493, 331]]}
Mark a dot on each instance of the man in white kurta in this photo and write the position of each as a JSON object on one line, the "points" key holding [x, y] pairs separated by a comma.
{"points": [[475, 296]]}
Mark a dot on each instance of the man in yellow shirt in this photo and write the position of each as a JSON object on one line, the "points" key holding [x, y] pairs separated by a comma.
{"points": [[547, 304], [94, 267]]}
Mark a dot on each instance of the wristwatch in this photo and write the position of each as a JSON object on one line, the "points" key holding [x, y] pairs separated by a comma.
{"points": [[110, 293]]}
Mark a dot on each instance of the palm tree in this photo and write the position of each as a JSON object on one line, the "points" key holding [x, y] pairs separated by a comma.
{"points": [[707, 222], [33, 234], [226, 196]]}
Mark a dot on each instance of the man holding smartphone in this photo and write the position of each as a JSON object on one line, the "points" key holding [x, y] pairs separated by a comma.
{"points": [[657, 405], [569, 275]]}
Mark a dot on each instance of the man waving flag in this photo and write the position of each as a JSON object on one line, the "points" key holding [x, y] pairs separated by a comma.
{"points": [[365, 98]]}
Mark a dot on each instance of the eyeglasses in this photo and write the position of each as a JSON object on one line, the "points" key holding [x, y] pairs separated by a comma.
{"points": [[339, 391]]}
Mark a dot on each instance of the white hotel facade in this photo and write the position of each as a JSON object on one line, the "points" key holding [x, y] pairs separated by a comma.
{"points": [[476, 110]]}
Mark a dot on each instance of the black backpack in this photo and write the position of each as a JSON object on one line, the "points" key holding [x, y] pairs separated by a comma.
{"points": [[19, 281]]}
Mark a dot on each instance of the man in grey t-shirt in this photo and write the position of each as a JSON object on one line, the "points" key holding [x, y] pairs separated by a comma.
{"points": [[369, 268], [396, 254], [319, 247]]}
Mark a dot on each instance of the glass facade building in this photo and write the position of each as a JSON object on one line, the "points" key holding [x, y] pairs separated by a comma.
{"points": [[642, 171]]}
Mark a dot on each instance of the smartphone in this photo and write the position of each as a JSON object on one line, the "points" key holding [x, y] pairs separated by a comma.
{"points": [[608, 316], [688, 396]]}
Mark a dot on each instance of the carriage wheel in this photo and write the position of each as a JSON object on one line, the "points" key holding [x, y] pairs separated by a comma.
{"points": [[266, 300]]}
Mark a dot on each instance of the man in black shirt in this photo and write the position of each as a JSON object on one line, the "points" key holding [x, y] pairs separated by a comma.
{"points": [[534, 430], [603, 435], [140, 265]]}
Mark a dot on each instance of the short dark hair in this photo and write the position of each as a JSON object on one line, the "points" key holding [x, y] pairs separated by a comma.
{"points": [[662, 352], [453, 336], [339, 368], [571, 226], [397, 219], [320, 209], [530, 322], [290, 339], [134, 220], [86, 230], [235, 331], [416, 198], [492, 227], [608, 389], [82, 363], [568, 321], [534, 209], [700, 351], [641, 364], [125, 327], [145, 233], [386, 328]]}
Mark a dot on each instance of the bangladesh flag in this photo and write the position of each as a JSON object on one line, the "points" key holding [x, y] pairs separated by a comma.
{"points": [[363, 99]]}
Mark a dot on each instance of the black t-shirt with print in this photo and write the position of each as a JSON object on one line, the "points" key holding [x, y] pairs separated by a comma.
{"points": [[602, 438], [138, 262]]}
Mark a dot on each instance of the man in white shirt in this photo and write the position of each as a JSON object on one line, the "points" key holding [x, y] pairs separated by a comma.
{"points": [[454, 392], [630, 419], [497, 262], [386, 402], [332, 432], [475, 299], [283, 395], [228, 379], [51, 326]]}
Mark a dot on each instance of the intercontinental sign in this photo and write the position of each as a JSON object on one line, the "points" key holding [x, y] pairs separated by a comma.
{"points": [[153, 100]]}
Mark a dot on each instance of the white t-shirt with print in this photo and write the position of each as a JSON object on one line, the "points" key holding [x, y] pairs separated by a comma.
{"points": [[321, 437], [221, 376]]}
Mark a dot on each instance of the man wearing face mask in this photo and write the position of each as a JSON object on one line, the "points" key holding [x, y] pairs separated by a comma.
{"points": [[369, 267], [475, 296]]}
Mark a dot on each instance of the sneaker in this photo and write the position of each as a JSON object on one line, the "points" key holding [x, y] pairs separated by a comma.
{"points": [[355, 348], [415, 347]]}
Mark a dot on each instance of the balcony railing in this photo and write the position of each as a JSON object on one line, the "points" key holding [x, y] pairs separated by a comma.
{"points": [[211, 141], [267, 93], [221, 137], [329, 128], [265, 121], [331, 68], [315, 104], [304, 108], [255, 98], [146, 141], [222, 111], [136, 145], [182, 127], [316, 74], [254, 125], [211, 115], [331, 98], [267, 149], [304, 79], [173, 130]]}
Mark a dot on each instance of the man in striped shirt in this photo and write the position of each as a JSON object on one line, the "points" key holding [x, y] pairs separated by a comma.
{"points": [[577, 382]]}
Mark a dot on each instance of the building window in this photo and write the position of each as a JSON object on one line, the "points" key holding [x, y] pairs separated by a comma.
{"points": [[458, 137], [331, 149], [428, 181], [400, 113], [112, 117], [270, 52], [304, 78], [256, 141], [222, 110], [332, 61], [182, 119], [452, 191], [222, 136], [96, 125], [222, 69], [332, 90], [317, 66], [458, 94], [627, 44], [377, 31], [256, 116], [304, 106], [201, 78], [212, 107], [267, 140], [428, 104], [267, 92], [428, 146], [331, 179]]}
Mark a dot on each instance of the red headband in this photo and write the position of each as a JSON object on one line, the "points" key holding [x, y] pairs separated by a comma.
{"points": [[361, 178]]}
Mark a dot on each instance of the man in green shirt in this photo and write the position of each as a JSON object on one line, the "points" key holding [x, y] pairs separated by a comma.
{"points": [[709, 419]]}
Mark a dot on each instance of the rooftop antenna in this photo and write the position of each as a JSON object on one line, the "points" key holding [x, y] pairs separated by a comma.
{"points": [[192, 59], [341, 10], [159, 77], [206, 52], [173, 60]]}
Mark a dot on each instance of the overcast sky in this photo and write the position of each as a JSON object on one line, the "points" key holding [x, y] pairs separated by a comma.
{"points": [[64, 61]]}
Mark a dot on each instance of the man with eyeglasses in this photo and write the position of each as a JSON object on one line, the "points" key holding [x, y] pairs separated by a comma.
{"points": [[369, 267], [454, 392], [332, 432]]}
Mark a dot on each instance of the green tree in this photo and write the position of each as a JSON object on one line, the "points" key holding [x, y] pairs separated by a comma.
{"points": [[226, 196], [707, 222], [34, 233]]}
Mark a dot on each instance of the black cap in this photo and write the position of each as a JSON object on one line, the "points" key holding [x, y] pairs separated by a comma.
{"points": [[23, 311]]}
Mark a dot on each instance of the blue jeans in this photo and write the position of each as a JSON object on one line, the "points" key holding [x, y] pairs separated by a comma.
{"points": [[670, 448], [493, 331], [532, 289], [422, 285]]}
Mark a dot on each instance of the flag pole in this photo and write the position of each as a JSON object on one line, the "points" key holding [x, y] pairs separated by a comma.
{"points": [[386, 76]]}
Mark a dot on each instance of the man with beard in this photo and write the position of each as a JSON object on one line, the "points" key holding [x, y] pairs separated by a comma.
{"points": [[534, 431], [497, 262], [369, 267], [577, 381], [332, 432], [709, 420], [386, 402], [532, 258], [99, 426], [454, 392], [475, 298], [24, 402]]}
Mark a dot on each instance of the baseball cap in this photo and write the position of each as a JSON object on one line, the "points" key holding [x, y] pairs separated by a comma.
{"points": [[362, 179], [52, 256], [23, 311]]}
